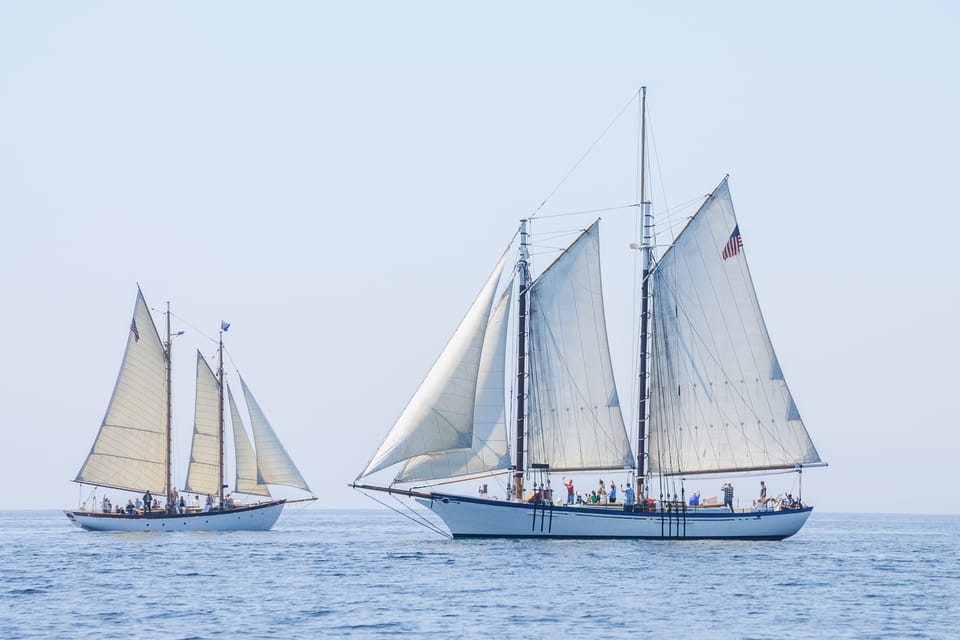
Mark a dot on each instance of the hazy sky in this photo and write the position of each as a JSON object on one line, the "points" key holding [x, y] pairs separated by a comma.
{"points": [[337, 179]]}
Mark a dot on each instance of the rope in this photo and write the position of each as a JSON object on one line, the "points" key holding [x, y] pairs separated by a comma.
{"points": [[413, 516], [585, 154]]}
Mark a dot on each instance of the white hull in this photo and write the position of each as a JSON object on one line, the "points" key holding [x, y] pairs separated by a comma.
{"points": [[472, 517], [253, 518]]}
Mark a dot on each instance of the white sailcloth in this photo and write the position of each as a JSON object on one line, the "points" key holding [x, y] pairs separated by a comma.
{"points": [[246, 460], [203, 472], [274, 464], [573, 417], [440, 416], [718, 400], [489, 449], [131, 448]]}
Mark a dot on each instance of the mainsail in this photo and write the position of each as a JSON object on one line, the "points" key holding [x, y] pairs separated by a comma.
{"points": [[246, 460], [440, 416], [203, 473], [718, 399], [574, 420], [131, 448], [274, 465]]}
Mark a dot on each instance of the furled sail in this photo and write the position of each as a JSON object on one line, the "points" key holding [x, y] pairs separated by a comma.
{"points": [[203, 473], [246, 460], [489, 449], [274, 465], [718, 400], [440, 416], [131, 448], [574, 420]]}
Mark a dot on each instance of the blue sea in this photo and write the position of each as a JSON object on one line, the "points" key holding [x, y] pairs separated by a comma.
{"points": [[374, 574]]}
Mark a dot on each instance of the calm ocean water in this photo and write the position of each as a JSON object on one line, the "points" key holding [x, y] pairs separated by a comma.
{"points": [[374, 574]]}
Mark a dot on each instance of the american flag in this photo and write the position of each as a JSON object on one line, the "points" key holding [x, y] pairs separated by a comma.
{"points": [[734, 244], [133, 330]]}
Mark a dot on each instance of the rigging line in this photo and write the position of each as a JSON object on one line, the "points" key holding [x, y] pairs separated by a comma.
{"points": [[584, 211], [416, 517], [586, 153], [191, 325]]}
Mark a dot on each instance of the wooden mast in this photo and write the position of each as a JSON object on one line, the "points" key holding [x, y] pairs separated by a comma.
{"points": [[647, 246], [169, 466], [220, 418], [523, 269]]}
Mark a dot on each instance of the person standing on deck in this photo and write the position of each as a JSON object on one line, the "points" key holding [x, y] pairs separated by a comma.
{"points": [[762, 502], [628, 496], [568, 483], [728, 495], [147, 501]]}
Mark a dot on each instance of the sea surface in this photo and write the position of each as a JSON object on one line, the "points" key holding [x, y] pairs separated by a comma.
{"points": [[374, 574]]}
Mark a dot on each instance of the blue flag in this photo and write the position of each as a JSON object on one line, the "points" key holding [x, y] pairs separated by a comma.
{"points": [[224, 325]]}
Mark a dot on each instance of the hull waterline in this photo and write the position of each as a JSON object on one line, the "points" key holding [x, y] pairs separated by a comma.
{"points": [[259, 517], [476, 518]]}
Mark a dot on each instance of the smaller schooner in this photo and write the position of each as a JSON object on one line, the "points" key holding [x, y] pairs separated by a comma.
{"points": [[132, 451]]}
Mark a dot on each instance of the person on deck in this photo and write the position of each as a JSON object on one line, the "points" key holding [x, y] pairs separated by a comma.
{"points": [[628, 495], [147, 501], [569, 485], [762, 502], [728, 495], [613, 493]]}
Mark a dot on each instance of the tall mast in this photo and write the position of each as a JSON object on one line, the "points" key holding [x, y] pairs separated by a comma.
{"points": [[647, 246], [522, 268], [169, 466], [220, 418]]}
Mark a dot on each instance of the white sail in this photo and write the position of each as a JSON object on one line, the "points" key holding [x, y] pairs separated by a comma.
{"points": [[573, 416], [246, 460], [203, 472], [274, 465], [718, 400], [489, 450], [440, 416], [131, 448]]}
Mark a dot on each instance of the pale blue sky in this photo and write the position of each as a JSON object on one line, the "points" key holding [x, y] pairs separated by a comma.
{"points": [[337, 180]]}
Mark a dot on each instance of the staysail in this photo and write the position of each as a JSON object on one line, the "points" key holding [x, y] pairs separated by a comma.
{"points": [[203, 473], [489, 449], [574, 420], [274, 465], [131, 448], [246, 460], [718, 399], [440, 416]]}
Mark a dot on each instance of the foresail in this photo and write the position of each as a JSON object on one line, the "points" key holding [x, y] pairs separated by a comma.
{"points": [[573, 418], [247, 480], [489, 450], [203, 472], [274, 465], [718, 400], [440, 416], [130, 450]]}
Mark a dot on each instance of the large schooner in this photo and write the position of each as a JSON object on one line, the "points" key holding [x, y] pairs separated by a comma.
{"points": [[712, 398], [133, 449]]}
